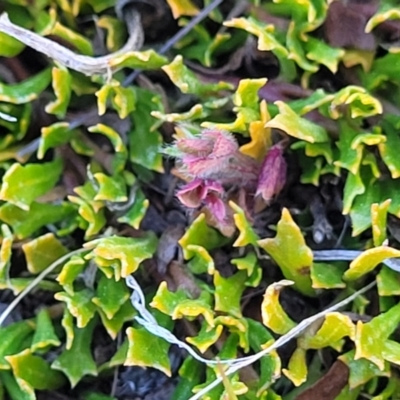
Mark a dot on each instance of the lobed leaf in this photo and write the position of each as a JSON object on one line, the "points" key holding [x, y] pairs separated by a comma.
{"points": [[40, 178], [292, 255], [147, 350], [80, 350], [288, 121]]}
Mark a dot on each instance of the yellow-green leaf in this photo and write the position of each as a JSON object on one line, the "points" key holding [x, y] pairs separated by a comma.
{"points": [[34, 371], [44, 336], [273, 315], [79, 305], [62, 89], [121, 255], [290, 122], [291, 253], [147, 350], [368, 260], [182, 7], [43, 251], [297, 369], [246, 232], [388, 282], [27, 90], [39, 178], [199, 233], [335, 327], [378, 218]]}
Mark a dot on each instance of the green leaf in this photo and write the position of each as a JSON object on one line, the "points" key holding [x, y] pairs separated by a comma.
{"points": [[378, 219], [296, 50], [70, 271], [362, 370], [386, 13], [288, 121], [5, 253], [13, 340], [79, 305], [136, 213], [368, 260], [80, 350], [335, 327], [61, 81], [144, 140], [111, 188], [114, 325], [350, 157], [14, 390], [17, 128], [388, 282], [354, 187], [117, 359], [291, 253], [121, 256], [110, 295], [44, 336], [267, 40], [270, 365], [34, 371], [121, 152], [360, 212], [247, 107], [297, 369], [187, 81], [388, 149], [25, 223], [228, 293], [27, 90], [147, 350], [92, 215], [199, 233], [178, 304], [326, 276], [43, 251], [68, 324], [54, 27], [190, 375], [196, 112], [249, 264], [39, 178], [9, 47], [359, 101], [53, 136], [115, 31], [146, 60], [273, 315], [320, 52], [246, 232], [372, 342], [201, 262], [238, 327], [246, 94], [206, 337], [123, 99]]}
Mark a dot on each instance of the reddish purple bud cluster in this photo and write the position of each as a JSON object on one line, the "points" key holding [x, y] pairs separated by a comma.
{"points": [[216, 169]]}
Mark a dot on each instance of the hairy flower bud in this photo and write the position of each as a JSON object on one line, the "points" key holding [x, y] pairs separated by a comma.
{"points": [[215, 155], [272, 176]]}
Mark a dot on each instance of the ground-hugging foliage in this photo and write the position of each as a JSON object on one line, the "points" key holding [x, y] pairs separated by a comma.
{"points": [[244, 179]]}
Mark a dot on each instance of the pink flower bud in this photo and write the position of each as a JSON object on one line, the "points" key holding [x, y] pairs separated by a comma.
{"points": [[204, 193], [272, 176], [215, 155]]}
